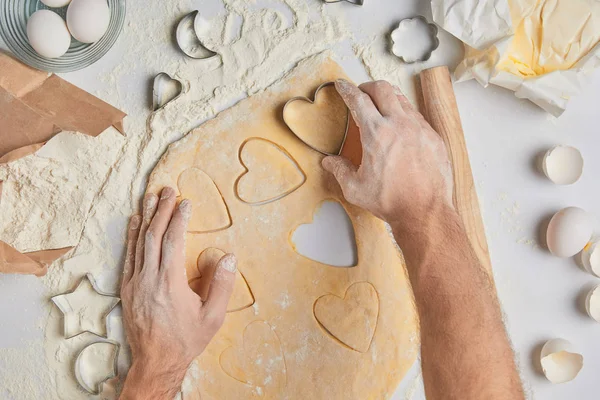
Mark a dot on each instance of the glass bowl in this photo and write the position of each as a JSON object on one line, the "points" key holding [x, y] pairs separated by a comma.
{"points": [[13, 29]]}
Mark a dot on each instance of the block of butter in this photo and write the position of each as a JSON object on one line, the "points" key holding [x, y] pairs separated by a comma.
{"points": [[540, 49]]}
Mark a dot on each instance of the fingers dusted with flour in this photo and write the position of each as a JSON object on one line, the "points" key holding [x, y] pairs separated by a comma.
{"points": [[221, 288], [405, 169], [167, 324], [156, 230], [132, 237]]}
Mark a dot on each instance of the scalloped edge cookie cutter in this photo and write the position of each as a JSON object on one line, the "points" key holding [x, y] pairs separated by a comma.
{"points": [[353, 2], [115, 371], [157, 101], [92, 282], [303, 98], [433, 34], [183, 25]]}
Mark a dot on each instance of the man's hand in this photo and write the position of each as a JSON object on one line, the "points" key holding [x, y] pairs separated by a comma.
{"points": [[167, 324], [406, 179], [405, 172]]}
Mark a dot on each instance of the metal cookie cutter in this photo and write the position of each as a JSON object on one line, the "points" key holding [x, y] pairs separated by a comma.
{"points": [[306, 99], [355, 2], [188, 40], [65, 307], [79, 375], [403, 28], [164, 90]]}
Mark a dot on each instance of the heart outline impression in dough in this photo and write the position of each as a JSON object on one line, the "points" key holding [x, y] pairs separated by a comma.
{"points": [[290, 121], [195, 185], [257, 359], [202, 276], [270, 170], [351, 320]]}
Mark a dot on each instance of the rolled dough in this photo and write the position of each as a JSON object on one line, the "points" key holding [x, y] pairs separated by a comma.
{"points": [[303, 360]]}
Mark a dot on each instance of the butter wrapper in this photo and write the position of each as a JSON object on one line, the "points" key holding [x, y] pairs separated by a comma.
{"points": [[540, 49]]}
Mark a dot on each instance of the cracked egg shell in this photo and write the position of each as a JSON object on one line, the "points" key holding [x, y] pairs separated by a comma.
{"points": [[590, 258], [559, 361], [563, 165], [592, 303], [569, 232]]}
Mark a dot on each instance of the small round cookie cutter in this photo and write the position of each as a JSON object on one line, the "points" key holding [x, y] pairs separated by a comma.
{"points": [[406, 23], [306, 99]]}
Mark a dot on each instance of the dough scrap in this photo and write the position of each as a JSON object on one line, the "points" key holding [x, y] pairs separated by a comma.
{"points": [[353, 319], [285, 285], [209, 211], [200, 281], [321, 124], [258, 360], [271, 173]]}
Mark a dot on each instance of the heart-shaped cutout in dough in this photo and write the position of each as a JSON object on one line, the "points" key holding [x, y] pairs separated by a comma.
{"points": [[271, 172], [200, 280], [209, 211], [257, 360], [329, 238], [322, 123], [353, 319]]}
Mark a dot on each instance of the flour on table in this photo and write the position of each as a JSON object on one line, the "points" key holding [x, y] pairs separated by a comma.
{"points": [[86, 194]]}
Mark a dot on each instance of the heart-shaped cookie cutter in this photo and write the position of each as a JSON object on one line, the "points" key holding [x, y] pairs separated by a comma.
{"points": [[303, 98], [78, 368], [159, 94]]}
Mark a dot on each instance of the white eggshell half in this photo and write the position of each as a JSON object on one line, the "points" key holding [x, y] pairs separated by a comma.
{"points": [[56, 3], [569, 232], [559, 362], [88, 19], [48, 34], [563, 165], [590, 258], [592, 303]]}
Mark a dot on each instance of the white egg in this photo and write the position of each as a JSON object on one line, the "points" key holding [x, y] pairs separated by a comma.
{"points": [[48, 34], [88, 19], [56, 3], [569, 232]]}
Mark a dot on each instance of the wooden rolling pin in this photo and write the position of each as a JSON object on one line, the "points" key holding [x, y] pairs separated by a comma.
{"points": [[441, 111]]}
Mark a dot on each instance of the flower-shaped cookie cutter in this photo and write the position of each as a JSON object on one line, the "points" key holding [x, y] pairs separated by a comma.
{"points": [[306, 99], [79, 369], [403, 27], [355, 2], [63, 308]]}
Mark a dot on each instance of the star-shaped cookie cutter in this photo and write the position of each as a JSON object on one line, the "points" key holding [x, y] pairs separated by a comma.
{"points": [[90, 278], [302, 98], [115, 368]]}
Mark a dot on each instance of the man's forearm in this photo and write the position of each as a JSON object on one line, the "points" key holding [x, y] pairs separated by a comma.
{"points": [[150, 381], [465, 350]]}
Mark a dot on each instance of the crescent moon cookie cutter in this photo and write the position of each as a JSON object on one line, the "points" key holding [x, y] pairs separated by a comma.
{"points": [[405, 25], [79, 368], [65, 307], [189, 42], [306, 99], [354, 2]]}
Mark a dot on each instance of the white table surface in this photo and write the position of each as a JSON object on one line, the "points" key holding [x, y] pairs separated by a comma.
{"points": [[539, 293]]}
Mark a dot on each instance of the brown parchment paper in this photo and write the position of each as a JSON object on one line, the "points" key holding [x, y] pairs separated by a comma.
{"points": [[35, 106]]}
